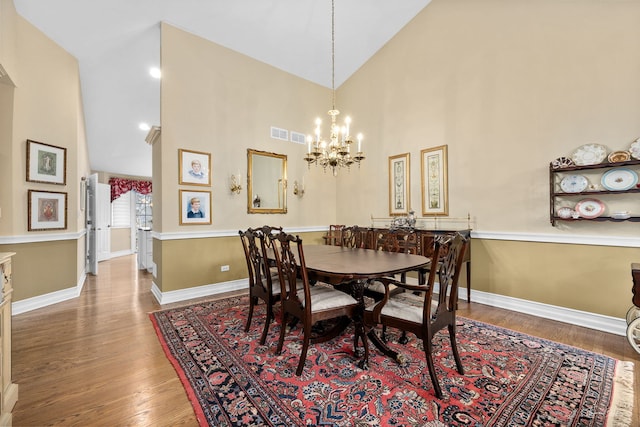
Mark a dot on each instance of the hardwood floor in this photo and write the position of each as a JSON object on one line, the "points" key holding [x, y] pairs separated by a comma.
{"points": [[96, 360]]}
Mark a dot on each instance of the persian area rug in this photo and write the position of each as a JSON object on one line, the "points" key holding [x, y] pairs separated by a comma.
{"points": [[510, 379]]}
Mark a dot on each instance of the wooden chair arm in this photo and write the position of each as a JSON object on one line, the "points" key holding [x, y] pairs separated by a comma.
{"points": [[386, 281]]}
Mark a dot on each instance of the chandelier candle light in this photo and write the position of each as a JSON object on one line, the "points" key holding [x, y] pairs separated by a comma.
{"points": [[336, 152]]}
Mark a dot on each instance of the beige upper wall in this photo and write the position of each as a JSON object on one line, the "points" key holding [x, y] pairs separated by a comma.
{"points": [[8, 16], [218, 101], [48, 109], [46, 106], [508, 86], [6, 165]]}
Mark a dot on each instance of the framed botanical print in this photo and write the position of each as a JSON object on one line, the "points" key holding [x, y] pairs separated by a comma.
{"points": [[195, 207], [46, 163], [194, 167], [435, 197], [47, 210], [399, 184]]}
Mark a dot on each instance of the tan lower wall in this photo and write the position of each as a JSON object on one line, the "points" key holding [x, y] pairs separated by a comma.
{"points": [[533, 271], [189, 263], [43, 267], [120, 239], [547, 272]]}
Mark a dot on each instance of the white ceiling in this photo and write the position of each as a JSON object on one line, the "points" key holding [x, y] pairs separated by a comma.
{"points": [[116, 42]]}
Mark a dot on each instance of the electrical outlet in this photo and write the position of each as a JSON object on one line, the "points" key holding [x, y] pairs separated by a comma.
{"points": [[224, 268]]}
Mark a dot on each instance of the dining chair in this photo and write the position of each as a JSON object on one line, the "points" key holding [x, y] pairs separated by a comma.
{"points": [[417, 312], [311, 304], [354, 237], [334, 235], [261, 275], [401, 241]]}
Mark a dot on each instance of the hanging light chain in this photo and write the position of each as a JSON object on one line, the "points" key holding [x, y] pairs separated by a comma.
{"points": [[336, 152], [333, 54]]}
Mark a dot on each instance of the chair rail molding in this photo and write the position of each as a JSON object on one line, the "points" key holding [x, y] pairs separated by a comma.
{"points": [[36, 238], [575, 239]]}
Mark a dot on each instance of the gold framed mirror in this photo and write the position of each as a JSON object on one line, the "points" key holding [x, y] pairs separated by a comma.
{"points": [[267, 182]]}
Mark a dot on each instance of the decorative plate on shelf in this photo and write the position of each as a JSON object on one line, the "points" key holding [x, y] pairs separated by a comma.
{"points": [[619, 156], [574, 184], [590, 208], [621, 215], [565, 213], [562, 162], [635, 149], [619, 179], [589, 154]]}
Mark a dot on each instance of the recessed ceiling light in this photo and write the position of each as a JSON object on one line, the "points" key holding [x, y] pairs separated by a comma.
{"points": [[155, 72], [144, 126]]}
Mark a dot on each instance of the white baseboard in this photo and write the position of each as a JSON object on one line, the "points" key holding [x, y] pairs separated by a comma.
{"points": [[595, 321], [613, 325], [198, 291], [46, 300]]}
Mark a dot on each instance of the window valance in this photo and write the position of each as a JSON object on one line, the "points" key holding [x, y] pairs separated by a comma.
{"points": [[119, 186]]}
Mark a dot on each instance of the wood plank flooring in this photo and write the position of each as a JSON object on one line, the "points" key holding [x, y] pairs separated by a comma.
{"points": [[96, 360]]}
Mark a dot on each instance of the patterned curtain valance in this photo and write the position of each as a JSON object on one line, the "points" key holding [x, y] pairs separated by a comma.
{"points": [[119, 186]]}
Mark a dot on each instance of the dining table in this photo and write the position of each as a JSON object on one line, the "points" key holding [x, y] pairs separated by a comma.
{"points": [[351, 270]]}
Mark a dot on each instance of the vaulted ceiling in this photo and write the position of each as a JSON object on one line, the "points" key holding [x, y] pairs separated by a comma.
{"points": [[116, 42]]}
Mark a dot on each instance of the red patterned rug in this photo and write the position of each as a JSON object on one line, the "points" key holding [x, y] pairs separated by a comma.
{"points": [[510, 379]]}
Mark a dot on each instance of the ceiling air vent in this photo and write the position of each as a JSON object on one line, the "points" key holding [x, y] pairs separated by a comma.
{"points": [[297, 137], [278, 133]]}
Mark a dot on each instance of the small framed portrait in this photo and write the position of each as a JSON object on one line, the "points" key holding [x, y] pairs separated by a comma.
{"points": [[399, 185], [195, 167], [195, 207], [435, 197], [47, 210], [46, 163]]}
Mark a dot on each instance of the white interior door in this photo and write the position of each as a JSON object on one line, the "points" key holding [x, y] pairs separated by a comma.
{"points": [[92, 249], [103, 221], [98, 223]]}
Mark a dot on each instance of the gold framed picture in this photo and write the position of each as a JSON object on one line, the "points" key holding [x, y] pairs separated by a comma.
{"points": [[195, 207], [435, 190], [46, 163], [399, 184], [194, 167], [47, 210]]}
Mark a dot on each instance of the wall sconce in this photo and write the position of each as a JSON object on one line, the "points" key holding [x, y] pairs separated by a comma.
{"points": [[297, 189], [235, 184]]}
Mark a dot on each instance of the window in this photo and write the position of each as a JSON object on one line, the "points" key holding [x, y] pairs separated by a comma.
{"points": [[143, 210], [121, 211]]}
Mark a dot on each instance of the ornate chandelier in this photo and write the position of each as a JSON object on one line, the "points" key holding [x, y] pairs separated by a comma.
{"points": [[336, 152]]}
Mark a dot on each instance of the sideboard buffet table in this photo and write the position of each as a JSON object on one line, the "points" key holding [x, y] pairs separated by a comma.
{"points": [[8, 390]]}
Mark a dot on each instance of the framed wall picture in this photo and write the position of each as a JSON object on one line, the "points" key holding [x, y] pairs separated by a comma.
{"points": [[46, 163], [435, 191], [47, 210], [194, 167], [195, 207], [399, 184]]}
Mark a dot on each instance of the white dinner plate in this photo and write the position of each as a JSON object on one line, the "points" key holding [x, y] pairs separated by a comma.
{"points": [[574, 184], [619, 179], [589, 154], [635, 149], [590, 208]]}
